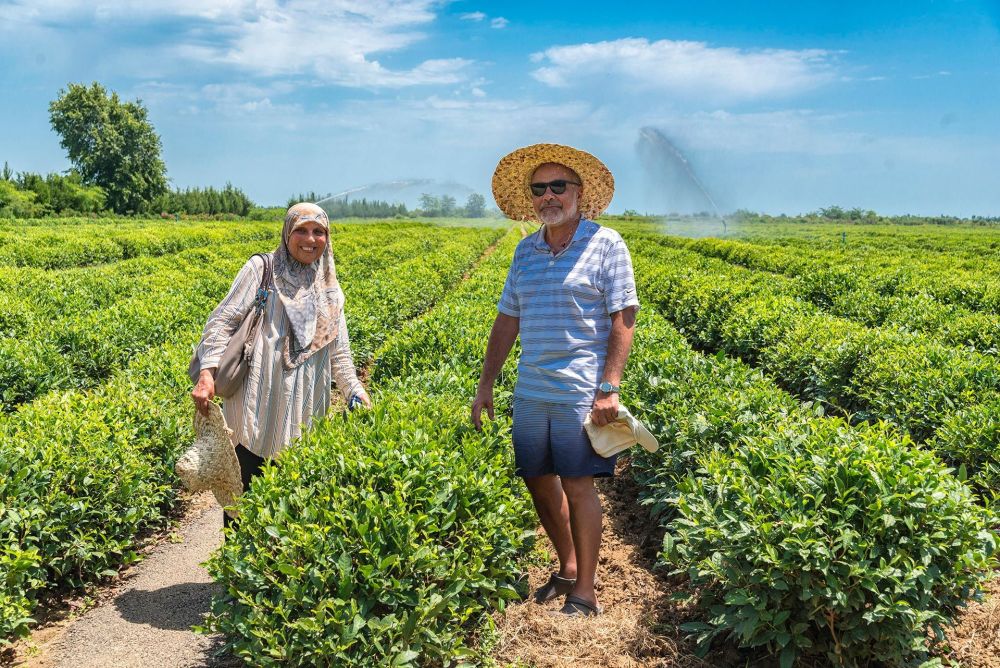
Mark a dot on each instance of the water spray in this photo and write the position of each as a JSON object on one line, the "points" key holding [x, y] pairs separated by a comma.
{"points": [[383, 185], [659, 155]]}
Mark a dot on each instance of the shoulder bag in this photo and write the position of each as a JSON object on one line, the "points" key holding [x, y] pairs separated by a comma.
{"points": [[238, 356]]}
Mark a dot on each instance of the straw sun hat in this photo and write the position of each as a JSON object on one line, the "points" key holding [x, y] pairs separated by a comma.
{"points": [[211, 463], [513, 176]]}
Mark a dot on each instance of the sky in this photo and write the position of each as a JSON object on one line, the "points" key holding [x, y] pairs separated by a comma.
{"points": [[780, 107]]}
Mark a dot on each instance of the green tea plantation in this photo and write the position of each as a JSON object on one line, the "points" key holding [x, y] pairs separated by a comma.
{"points": [[827, 400]]}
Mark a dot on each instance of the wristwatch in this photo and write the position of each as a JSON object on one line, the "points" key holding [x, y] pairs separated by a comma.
{"points": [[608, 388]]}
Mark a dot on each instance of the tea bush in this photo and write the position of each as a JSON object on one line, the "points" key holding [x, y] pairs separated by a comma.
{"points": [[802, 535], [379, 539], [818, 539]]}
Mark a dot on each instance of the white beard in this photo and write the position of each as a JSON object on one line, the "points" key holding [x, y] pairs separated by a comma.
{"points": [[555, 217]]}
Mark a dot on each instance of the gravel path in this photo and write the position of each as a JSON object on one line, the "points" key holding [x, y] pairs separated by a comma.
{"points": [[148, 620]]}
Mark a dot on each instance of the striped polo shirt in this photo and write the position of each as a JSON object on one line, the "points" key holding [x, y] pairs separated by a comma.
{"points": [[563, 302]]}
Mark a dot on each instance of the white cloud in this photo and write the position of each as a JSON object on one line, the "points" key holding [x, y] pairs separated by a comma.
{"points": [[473, 16], [692, 69], [499, 23], [55, 12], [336, 42]]}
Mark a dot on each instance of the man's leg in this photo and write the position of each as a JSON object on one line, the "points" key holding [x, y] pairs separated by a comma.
{"points": [[554, 513], [585, 518], [533, 461]]}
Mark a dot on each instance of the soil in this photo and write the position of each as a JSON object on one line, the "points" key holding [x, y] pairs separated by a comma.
{"points": [[974, 641], [640, 625]]}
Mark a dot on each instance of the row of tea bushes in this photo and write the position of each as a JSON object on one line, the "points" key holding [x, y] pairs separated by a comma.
{"points": [[919, 292], [866, 374], [378, 539], [800, 534], [83, 472], [64, 246], [78, 349], [34, 295], [384, 537], [74, 246]]}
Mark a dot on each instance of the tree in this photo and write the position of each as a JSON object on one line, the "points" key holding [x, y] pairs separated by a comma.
{"points": [[429, 205], [448, 206], [475, 206], [112, 145], [60, 194], [15, 203]]}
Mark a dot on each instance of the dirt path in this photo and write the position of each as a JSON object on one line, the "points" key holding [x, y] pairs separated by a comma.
{"points": [[147, 620], [640, 626]]}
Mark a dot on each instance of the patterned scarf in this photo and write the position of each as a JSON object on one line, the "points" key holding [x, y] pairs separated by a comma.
{"points": [[310, 293]]}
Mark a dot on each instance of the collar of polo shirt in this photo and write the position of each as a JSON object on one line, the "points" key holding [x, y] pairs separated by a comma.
{"points": [[584, 231]]}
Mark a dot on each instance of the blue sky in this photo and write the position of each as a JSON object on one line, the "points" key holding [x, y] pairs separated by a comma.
{"points": [[778, 107]]}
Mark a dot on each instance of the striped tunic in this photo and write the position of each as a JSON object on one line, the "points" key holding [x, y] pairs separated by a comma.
{"points": [[275, 404], [564, 302]]}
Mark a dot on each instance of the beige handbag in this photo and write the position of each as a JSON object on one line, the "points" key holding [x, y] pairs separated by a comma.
{"points": [[619, 435], [238, 356]]}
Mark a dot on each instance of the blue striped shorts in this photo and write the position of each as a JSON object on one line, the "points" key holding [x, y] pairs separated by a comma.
{"points": [[550, 438]]}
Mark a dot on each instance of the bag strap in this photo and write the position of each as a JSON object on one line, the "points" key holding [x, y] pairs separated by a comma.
{"points": [[259, 302], [263, 290]]}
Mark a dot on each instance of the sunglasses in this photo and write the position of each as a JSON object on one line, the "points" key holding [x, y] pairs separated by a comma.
{"points": [[558, 187]]}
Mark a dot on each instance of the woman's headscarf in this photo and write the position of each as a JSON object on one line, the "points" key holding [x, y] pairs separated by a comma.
{"points": [[310, 292]]}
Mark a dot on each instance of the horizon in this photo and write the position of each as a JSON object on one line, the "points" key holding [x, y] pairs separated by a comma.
{"points": [[777, 109]]}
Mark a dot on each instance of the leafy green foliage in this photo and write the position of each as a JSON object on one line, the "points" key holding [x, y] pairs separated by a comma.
{"points": [[16, 203], [66, 246], [944, 285], [31, 195], [345, 207], [112, 144], [803, 535], [375, 540], [83, 471], [841, 543], [865, 374], [229, 199]]}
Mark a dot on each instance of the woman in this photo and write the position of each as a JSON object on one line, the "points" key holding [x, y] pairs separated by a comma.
{"points": [[301, 347]]}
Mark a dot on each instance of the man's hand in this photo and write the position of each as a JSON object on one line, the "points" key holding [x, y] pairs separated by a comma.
{"points": [[484, 399], [204, 391], [605, 409]]}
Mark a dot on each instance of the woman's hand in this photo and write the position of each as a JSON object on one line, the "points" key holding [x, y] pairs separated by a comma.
{"points": [[364, 398], [204, 391]]}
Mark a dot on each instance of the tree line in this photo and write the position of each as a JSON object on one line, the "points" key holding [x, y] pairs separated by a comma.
{"points": [[430, 206], [117, 167], [31, 195]]}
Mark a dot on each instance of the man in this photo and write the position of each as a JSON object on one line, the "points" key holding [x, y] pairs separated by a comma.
{"points": [[570, 294]]}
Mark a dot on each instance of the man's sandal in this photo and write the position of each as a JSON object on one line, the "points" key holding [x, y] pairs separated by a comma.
{"points": [[555, 587], [578, 607]]}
